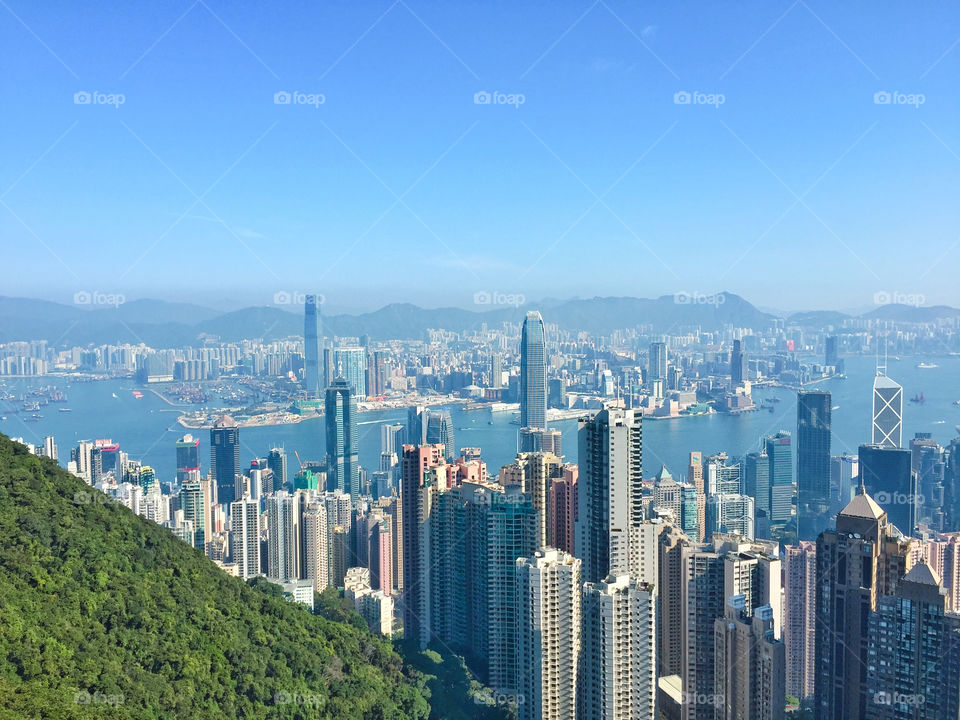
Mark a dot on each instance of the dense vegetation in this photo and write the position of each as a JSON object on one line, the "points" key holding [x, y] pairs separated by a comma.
{"points": [[106, 615]]}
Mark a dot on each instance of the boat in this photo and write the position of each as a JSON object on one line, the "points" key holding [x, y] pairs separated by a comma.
{"points": [[918, 399], [926, 365], [835, 407], [137, 394], [65, 410]]}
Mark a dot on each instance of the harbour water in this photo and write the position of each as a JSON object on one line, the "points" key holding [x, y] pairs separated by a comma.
{"points": [[146, 427]]}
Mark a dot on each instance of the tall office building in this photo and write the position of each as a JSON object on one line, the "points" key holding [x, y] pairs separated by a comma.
{"points": [[887, 475], [282, 516], [831, 352], [657, 362], [439, 429], [756, 482], [610, 493], [245, 537], [548, 635], [393, 436], [350, 363], [618, 664], [738, 364], [188, 457], [913, 652], [887, 411], [695, 478], [533, 373], [800, 619], [277, 463], [862, 559], [750, 663], [813, 462], [225, 459], [781, 479], [311, 347], [343, 465]]}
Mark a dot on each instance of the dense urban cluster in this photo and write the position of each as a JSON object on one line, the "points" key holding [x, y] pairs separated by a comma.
{"points": [[601, 589]]}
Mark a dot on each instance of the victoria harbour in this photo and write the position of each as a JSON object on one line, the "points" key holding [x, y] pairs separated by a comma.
{"points": [[146, 428]]}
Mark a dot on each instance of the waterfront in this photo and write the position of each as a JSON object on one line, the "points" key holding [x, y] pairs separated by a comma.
{"points": [[147, 427]]}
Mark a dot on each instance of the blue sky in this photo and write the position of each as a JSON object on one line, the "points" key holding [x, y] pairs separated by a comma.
{"points": [[797, 191]]}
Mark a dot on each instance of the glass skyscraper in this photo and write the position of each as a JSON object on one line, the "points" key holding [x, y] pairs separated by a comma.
{"points": [[350, 363], [887, 411], [533, 373], [343, 466], [225, 458], [311, 347], [813, 462]]}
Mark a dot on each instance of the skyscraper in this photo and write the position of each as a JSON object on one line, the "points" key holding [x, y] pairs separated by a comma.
{"points": [[750, 663], [618, 664], [533, 373], [781, 479], [415, 501], [343, 466], [311, 347], [800, 619], [813, 462], [548, 637], [195, 503], [245, 537], [657, 362], [831, 355], [350, 363], [188, 457], [609, 493], [887, 475], [440, 430], [861, 560], [913, 652], [887, 411], [282, 513], [277, 462], [738, 364], [225, 458], [695, 478]]}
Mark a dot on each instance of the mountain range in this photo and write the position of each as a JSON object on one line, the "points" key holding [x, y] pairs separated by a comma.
{"points": [[164, 324]]}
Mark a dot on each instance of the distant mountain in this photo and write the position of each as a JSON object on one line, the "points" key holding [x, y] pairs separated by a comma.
{"points": [[912, 313], [108, 615], [162, 324], [817, 318]]}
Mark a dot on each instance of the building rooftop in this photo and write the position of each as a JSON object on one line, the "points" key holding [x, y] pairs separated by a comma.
{"points": [[863, 506], [922, 574]]}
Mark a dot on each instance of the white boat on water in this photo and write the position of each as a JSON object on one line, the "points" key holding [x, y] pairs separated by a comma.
{"points": [[926, 365]]}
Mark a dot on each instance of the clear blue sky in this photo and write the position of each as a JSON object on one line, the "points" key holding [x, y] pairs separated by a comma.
{"points": [[798, 191]]}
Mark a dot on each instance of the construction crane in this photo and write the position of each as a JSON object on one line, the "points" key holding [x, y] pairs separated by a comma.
{"points": [[298, 459]]}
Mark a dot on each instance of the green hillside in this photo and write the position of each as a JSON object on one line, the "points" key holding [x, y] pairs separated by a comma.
{"points": [[104, 614]]}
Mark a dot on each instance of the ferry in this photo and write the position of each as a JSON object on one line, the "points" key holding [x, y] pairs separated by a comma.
{"points": [[926, 365], [137, 394], [65, 410]]}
